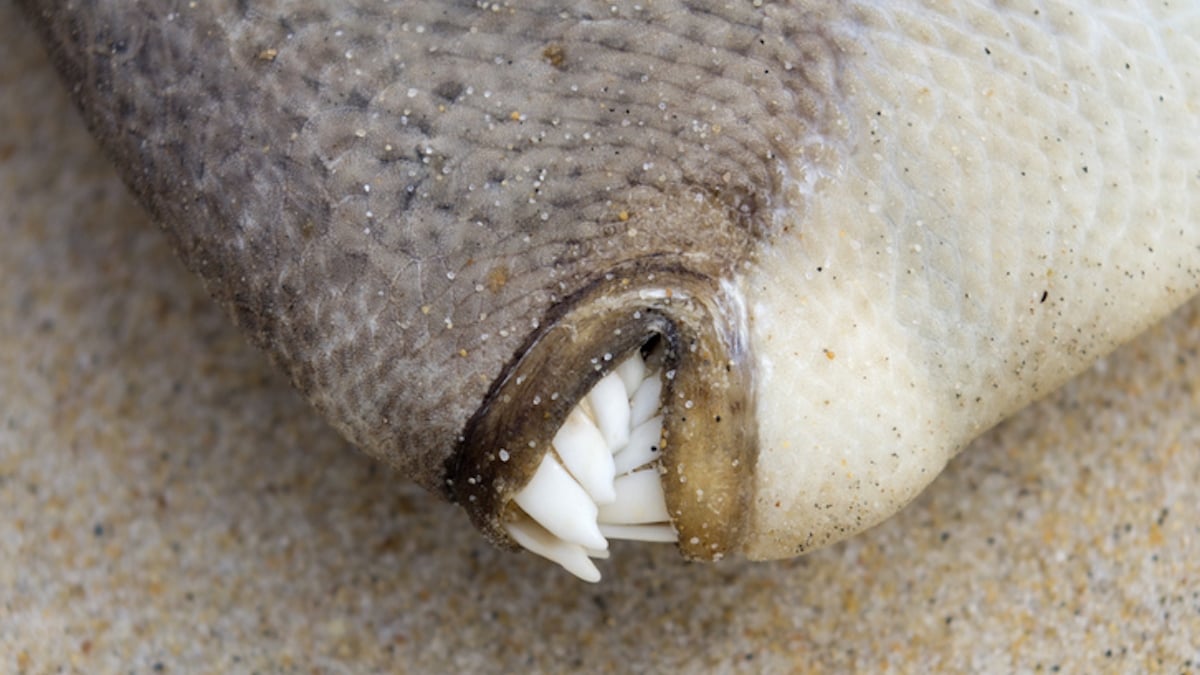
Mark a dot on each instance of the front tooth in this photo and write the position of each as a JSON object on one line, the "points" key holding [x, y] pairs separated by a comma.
{"points": [[632, 372], [639, 500], [642, 448], [657, 532], [572, 557], [560, 505], [586, 455], [611, 406], [645, 400]]}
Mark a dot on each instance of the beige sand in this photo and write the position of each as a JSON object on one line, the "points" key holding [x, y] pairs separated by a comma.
{"points": [[168, 503]]}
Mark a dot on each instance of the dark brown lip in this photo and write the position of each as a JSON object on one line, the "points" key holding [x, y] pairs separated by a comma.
{"points": [[709, 436]]}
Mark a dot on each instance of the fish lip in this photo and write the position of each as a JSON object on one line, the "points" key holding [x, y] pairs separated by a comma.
{"points": [[709, 440]]}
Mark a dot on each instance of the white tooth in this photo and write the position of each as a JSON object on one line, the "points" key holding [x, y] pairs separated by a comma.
{"points": [[612, 410], [645, 400], [560, 505], [632, 371], [574, 505], [642, 448], [586, 455], [585, 407], [656, 532], [639, 500], [572, 557]]}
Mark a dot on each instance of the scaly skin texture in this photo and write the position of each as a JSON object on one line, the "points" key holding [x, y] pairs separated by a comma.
{"points": [[1013, 195], [391, 198], [934, 214]]}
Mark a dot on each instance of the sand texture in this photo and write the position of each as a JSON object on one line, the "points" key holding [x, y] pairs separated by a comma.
{"points": [[170, 505]]}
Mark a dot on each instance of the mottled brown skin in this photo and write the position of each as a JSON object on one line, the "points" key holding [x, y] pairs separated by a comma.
{"points": [[394, 199]]}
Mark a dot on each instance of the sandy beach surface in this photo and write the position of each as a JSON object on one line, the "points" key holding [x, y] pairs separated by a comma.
{"points": [[168, 504]]}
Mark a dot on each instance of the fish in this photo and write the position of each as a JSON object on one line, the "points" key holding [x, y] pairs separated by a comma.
{"points": [[741, 277]]}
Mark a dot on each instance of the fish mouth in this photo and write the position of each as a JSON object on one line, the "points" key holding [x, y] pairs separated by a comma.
{"points": [[547, 461]]}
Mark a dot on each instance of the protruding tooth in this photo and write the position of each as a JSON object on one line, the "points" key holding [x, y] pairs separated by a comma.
{"points": [[656, 532], [639, 500], [573, 502], [645, 400], [572, 557], [611, 406], [642, 448], [560, 505], [632, 371], [586, 456]]}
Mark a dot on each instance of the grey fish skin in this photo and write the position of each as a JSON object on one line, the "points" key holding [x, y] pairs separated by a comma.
{"points": [[407, 204], [353, 183]]}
